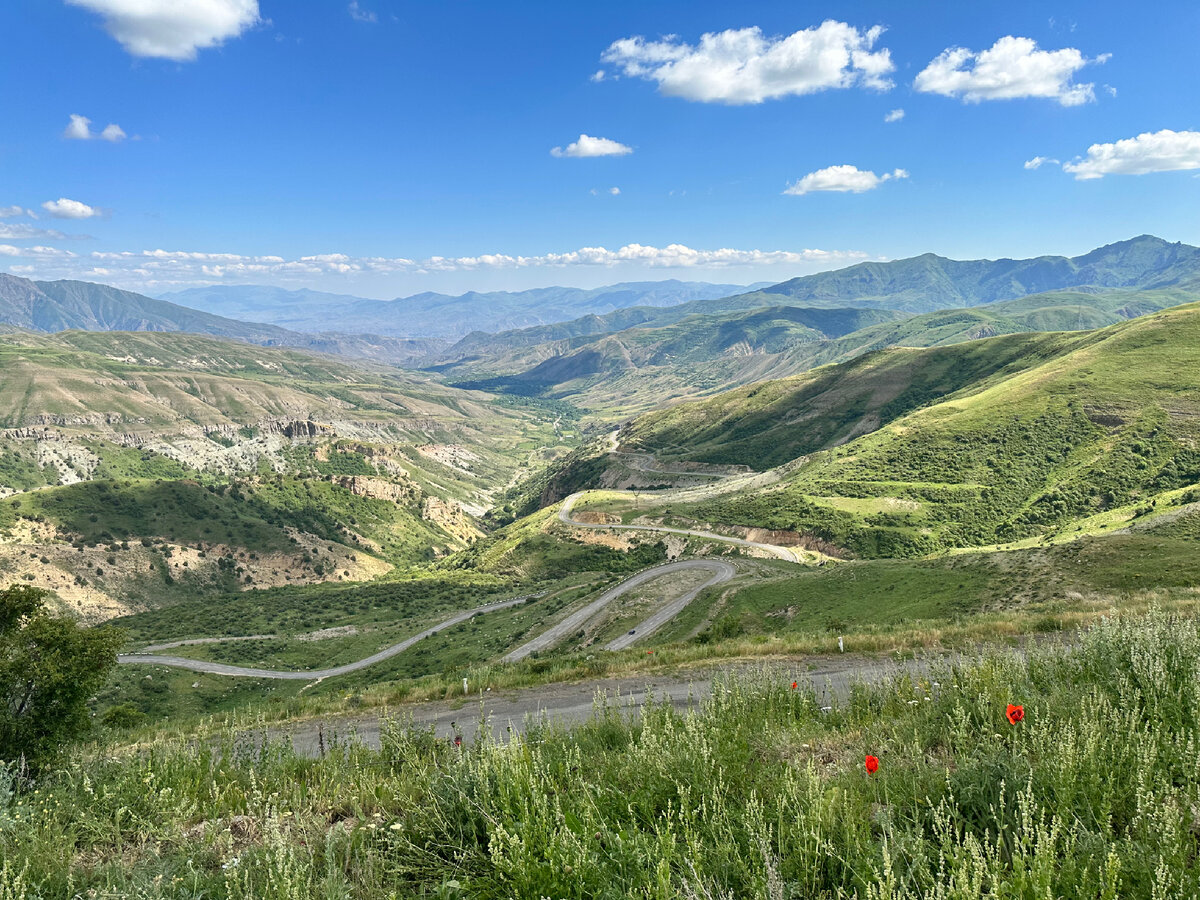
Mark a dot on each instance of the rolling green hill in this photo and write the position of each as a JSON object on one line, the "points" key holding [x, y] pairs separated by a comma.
{"points": [[637, 369], [1005, 440], [645, 367]]}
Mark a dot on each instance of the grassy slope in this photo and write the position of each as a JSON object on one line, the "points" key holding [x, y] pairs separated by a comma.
{"points": [[616, 373], [1086, 424], [761, 792]]}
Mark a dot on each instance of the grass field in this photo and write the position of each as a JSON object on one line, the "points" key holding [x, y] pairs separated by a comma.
{"points": [[759, 793]]}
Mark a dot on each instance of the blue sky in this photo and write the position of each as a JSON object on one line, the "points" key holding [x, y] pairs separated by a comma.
{"points": [[382, 148]]}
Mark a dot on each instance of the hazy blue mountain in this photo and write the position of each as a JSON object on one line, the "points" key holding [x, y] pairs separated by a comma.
{"points": [[921, 284], [51, 306], [928, 282], [441, 315]]}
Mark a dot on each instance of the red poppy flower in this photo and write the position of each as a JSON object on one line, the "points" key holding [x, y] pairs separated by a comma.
{"points": [[1014, 714], [795, 684], [872, 764]]}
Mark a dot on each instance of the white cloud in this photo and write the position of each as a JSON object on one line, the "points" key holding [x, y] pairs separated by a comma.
{"points": [[359, 14], [35, 252], [172, 29], [7, 212], [588, 146], [894, 116], [1013, 67], [598, 76], [79, 129], [24, 232], [113, 133], [163, 269], [1159, 151], [741, 66], [1038, 161], [62, 208], [844, 179], [614, 191]]}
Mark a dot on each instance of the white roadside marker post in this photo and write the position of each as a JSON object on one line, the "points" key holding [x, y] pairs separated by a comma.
{"points": [[841, 646], [465, 690]]}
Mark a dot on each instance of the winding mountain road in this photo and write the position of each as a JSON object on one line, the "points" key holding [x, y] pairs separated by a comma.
{"points": [[721, 572], [215, 668], [564, 516]]}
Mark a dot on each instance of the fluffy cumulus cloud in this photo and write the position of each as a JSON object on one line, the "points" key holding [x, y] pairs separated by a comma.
{"points": [[1159, 151], [157, 269], [80, 129], [743, 65], [172, 29], [62, 208], [588, 146], [1011, 68], [842, 179]]}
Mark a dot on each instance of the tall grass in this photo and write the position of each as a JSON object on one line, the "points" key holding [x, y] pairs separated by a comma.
{"points": [[759, 793]]}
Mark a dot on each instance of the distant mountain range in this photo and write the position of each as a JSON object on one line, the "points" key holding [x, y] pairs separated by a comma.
{"points": [[927, 283], [50, 306], [441, 315], [700, 336], [632, 359]]}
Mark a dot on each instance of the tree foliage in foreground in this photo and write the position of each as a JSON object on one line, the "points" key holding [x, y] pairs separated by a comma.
{"points": [[49, 667]]}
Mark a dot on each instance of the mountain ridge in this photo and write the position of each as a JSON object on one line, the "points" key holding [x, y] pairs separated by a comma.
{"points": [[433, 314], [54, 306]]}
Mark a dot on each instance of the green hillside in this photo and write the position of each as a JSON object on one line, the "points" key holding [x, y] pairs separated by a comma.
{"points": [[1017, 438], [929, 282], [632, 361]]}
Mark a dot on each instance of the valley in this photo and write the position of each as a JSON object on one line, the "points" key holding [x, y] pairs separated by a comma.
{"points": [[316, 541], [151, 475], [330, 561]]}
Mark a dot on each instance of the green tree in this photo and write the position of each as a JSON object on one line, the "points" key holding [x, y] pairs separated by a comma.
{"points": [[49, 667]]}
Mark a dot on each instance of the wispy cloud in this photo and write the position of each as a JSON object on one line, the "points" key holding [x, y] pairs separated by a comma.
{"points": [[361, 14], [149, 269], [588, 146], [841, 179], [22, 232], [894, 116], [1011, 68], [743, 65], [1038, 161]]}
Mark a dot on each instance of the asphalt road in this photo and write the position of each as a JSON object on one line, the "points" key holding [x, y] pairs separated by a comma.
{"points": [[564, 516], [215, 668], [507, 714], [722, 571]]}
